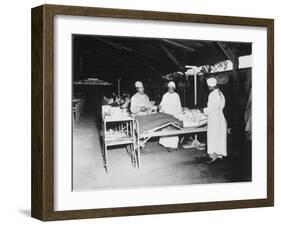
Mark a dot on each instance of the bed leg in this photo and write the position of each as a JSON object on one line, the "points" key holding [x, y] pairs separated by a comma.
{"points": [[182, 139]]}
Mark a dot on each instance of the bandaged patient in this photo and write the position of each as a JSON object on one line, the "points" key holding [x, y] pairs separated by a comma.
{"points": [[192, 118]]}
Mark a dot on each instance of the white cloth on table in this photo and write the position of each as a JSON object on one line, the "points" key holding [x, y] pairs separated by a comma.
{"points": [[138, 101], [216, 126], [170, 105]]}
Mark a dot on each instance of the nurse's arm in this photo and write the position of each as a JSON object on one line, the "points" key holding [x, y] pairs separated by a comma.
{"points": [[205, 111], [211, 106], [179, 104], [134, 107], [148, 104], [162, 103]]}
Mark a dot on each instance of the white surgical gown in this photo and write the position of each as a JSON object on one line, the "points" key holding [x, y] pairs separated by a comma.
{"points": [[138, 101], [216, 127], [170, 104]]}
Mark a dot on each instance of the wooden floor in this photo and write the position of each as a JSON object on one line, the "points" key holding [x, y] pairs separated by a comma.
{"points": [[158, 167]]}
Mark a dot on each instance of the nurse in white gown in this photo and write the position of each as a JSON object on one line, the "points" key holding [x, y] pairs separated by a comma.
{"points": [[140, 104], [170, 104], [216, 127]]}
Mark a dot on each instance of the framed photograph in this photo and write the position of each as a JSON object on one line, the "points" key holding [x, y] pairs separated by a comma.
{"points": [[142, 112]]}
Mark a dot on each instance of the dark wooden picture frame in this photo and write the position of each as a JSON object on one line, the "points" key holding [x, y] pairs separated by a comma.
{"points": [[42, 203]]}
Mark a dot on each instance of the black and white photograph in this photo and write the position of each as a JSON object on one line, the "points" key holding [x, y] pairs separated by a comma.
{"points": [[157, 112]]}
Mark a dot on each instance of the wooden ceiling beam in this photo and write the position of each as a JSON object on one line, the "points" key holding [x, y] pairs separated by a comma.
{"points": [[230, 54], [115, 45], [227, 51], [179, 45], [171, 57], [104, 54], [130, 50]]}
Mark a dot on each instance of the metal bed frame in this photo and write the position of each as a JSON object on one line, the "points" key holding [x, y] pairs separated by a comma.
{"points": [[158, 132], [124, 126], [134, 140]]}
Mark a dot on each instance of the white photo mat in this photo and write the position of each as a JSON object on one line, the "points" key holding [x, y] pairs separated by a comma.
{"points": [[66, 199]]}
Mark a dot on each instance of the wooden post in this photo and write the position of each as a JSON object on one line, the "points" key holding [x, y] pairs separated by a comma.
{"points": [[184, 98], [119, 86], [235, 91], [195, 89]]}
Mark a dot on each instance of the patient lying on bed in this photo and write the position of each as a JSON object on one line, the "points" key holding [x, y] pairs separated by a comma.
{"points": [[192, 117], [189, 118], [149, 124]]}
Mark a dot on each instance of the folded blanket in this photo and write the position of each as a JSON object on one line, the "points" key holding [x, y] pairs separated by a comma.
{"points": [[148, 122]]}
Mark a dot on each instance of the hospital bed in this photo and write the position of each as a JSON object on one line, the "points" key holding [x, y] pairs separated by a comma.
{"points": [[135, 132], [163, 125]]}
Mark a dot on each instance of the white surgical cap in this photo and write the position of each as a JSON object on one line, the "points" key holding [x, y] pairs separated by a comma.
{"points": [[212, 82], [171, 84], [138, 84]]}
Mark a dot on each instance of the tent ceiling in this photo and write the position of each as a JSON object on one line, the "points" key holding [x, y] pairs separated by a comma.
{"points": [[109, 57]]}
